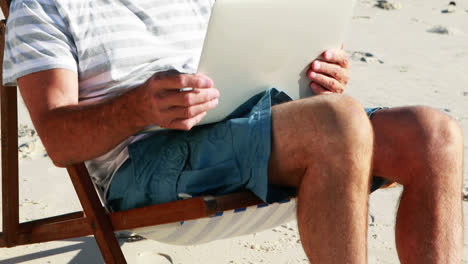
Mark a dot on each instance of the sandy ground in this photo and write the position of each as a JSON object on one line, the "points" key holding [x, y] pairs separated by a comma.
{"points": [[406, 53]]}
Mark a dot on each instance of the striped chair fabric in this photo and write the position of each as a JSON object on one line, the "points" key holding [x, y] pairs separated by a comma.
{"points": [[225, 224]]}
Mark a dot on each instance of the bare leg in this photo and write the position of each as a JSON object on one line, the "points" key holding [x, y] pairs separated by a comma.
{"points": [[323, 145], [422, 149]]}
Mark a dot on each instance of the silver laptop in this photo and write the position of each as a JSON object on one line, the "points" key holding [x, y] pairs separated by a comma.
{"points": [[252, 45]]}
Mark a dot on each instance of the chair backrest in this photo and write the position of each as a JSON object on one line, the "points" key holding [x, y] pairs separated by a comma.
{"points": [[9, 140], [15, 233]]}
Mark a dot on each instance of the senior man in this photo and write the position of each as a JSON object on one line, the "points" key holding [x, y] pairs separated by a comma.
{"points": [[95, 73]]}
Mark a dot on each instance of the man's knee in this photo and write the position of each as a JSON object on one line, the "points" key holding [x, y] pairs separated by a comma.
{"points": [[434, 140], [434, 125], [432, 130], [343, 122], [340, 130], [318, 133], [346, 148]]}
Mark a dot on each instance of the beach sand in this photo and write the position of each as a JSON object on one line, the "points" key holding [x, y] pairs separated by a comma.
{"points": [[403, 53]]}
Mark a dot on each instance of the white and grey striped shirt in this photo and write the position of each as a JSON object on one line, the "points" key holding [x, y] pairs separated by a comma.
{"points": [[113, 46]]}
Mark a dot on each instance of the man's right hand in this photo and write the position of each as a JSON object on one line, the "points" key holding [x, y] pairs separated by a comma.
{"points": [[171, 108]]}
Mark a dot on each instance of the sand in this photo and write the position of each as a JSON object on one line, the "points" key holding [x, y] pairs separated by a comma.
{"points": [[402, 52]]}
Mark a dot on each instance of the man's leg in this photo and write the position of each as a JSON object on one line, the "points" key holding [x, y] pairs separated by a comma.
{"points": [[323, 145], [422, 149]]}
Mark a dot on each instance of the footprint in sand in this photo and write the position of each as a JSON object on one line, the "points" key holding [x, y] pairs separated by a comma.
{"points": [[465, 194], [30, 146], [266, 246], [31, 149], [366, 57], [371, 220], [361, 17], [387, 5], [451, 8], [27, 202], [443, 30]]}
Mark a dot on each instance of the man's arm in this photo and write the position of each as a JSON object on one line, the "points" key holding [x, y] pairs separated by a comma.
{"points": [[73, 132]]}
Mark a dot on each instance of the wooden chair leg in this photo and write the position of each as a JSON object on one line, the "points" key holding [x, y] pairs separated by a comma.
{"points": [[9, 139], [93, 209]]}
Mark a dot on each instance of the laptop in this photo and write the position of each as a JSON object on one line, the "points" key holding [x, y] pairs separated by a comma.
{"points": [[252, 45]]}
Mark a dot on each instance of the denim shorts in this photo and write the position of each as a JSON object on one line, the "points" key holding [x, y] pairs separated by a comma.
{"points": [[214, 159]]}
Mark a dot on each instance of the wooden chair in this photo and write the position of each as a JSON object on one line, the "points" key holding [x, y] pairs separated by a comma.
{"points": [[94, 219]]}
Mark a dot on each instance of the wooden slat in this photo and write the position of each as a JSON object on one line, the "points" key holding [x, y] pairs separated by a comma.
{"points": [[60, 227], [54, 231], [182, 210], [28, 226], [9, 138], [235, 201], [91, 204], [159, 214]]}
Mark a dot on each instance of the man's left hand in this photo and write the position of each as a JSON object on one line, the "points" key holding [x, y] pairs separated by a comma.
{"points": [[330, 75]]}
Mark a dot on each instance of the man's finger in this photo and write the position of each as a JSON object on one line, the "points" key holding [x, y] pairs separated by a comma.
{"points": [[180, 81], [196, 96], [337, 56], [318, 89], [186, 124], [328, 82], [330, 69], [183, 112]]}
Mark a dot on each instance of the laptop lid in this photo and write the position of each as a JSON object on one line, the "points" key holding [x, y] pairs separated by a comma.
{"points": [[252, 45]]}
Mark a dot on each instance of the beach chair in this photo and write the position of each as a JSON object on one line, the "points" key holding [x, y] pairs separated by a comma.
{"points": [[188, 221]]}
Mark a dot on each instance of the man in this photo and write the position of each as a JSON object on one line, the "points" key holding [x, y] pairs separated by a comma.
{"points": [[95, 73]]}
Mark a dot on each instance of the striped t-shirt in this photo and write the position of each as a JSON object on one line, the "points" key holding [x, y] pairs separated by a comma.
{"points": [[112, 45]]}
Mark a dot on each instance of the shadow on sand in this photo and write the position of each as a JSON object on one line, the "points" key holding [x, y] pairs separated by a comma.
{"points": [[88, 252]]}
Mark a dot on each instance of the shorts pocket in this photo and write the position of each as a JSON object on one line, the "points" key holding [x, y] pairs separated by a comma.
{"points": [[157, 167], [220, 179]]}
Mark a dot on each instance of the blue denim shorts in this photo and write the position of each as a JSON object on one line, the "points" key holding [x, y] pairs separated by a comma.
{"points": [[214, 159]]}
